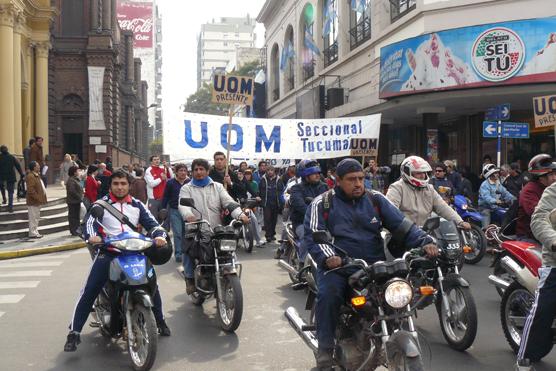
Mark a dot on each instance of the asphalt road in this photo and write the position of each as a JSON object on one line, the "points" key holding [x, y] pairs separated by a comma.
{"points": [[37, 296]]}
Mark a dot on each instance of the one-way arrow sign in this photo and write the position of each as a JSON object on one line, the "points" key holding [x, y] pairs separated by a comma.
{"points": [[500, 112], [489, 129]]}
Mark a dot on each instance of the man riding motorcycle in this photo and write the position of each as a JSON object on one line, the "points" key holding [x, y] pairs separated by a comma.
{"points": [[416, 198], [354, 217], [492, 194], [536, 340], [94, 233], [302, 195], [543, 172], [210, 199]]}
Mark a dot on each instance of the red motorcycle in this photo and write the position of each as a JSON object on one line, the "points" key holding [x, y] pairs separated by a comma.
{"points": [[515, 277]]}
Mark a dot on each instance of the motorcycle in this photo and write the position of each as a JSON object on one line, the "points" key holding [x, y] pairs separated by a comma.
{"points": [[245, 235], [376, 322], [124, 307], [217, 271], [475, 238], [440, 282]]}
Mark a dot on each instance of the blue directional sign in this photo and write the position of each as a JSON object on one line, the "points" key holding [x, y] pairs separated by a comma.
{"points": [[500, 112], [489, 129], [516, 130]]}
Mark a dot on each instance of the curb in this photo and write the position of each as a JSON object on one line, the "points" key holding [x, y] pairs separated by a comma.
{"points": [[40, 250]]}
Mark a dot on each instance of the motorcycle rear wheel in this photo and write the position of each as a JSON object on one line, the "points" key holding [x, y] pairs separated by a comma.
{"points": [[478, 242], [459, 332], [230, 307], [143, 325], [293, 261]]}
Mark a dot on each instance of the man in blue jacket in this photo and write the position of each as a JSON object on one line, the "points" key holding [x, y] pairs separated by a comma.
{"points": [[302, 195], [354, 218]]}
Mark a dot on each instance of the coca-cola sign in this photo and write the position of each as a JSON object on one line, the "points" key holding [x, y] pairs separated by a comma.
{"points": [[138, 18]]}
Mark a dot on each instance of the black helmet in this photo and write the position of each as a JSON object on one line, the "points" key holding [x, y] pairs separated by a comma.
{"points": [[541, 165]]}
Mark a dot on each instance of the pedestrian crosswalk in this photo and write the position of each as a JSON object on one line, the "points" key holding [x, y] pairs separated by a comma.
{"points": [[18, 277]]}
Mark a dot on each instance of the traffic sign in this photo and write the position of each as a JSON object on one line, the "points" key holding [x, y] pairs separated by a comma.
{"points": [[516, 130], [500, 112], [490, 129]]}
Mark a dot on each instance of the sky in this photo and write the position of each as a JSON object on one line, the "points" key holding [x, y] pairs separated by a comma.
{"points": [[181, 23]]}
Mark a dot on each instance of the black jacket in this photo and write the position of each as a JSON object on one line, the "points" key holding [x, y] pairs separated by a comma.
{"points": [[271, 195], [8, 164], [74, 191], [514, 184], [218, 177], [299, 199]]}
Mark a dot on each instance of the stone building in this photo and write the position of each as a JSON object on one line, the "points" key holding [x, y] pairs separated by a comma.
{"points": [[24, 50], [98, 101], [431, 67]]}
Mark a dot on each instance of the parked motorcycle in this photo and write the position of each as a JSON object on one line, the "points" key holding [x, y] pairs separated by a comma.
{"points": [[440, 283], [290, 258], [124, 307], [376, 322], [475, 238], [217, 271]]}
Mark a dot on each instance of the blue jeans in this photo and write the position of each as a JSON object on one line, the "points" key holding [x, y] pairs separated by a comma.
{"points": [[254, 224], [300, 232], [187, 263], [176, 223]]}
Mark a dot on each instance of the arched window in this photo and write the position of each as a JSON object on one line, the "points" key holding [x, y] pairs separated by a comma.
{"points": [[287, 64], [359, 22], [275, 73], [330, 31], [309, 49]]}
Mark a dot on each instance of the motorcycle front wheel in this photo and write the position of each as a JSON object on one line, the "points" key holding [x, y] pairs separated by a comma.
{"points": [[514, 309], [478, 243], [291, 256], [247, 238], [142, 350], [230, 306], [459, 328]]}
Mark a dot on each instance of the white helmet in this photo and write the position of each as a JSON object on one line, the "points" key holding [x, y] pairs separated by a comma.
{"points": [[489, 169], [415, 164]]}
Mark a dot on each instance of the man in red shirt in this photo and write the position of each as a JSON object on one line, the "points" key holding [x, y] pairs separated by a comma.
{"points": [[156, 177], [543, 172]]}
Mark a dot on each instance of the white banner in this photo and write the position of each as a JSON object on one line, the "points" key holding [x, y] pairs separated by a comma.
{"points": [[96, 114], [196, 135]]}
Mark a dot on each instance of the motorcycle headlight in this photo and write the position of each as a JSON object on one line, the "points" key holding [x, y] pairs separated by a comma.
{"points": [[398, 294], [133, 244], [464, 207], [228, 245]]}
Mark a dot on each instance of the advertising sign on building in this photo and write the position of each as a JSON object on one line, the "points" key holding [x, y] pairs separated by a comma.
{"points": [[138, 18], [545, 111], [518, 52], [195, 135]]}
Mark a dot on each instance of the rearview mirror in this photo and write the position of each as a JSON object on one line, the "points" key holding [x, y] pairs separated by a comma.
{"points": [[431, 224], [189, 202], [552, 217], [322, 237]]}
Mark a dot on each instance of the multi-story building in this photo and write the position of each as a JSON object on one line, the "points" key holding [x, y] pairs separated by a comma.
{"points": [[24, 50], [217, 44], [431, 67], [98, 100]]}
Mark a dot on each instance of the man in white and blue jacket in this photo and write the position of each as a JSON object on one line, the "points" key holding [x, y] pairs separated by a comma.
{"points": [[492, 193], [354, 218]]}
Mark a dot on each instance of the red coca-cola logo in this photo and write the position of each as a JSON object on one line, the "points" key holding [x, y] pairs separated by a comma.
{"points": [[141, 25], [138, 18]]}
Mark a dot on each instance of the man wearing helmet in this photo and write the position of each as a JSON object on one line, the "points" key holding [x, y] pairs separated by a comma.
{"points": [[492, 194], [416, 198], [543, 172], [302, 194]]}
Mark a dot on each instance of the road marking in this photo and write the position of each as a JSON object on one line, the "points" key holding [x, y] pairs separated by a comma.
{"points": [[30, 264], [2, 313], [10, 299], [26, 274], [45, 257], [19, 285]]}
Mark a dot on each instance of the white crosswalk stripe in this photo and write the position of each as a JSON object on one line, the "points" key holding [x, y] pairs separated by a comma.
{"points": [[19, 284], [10, 299], [31, 264], [26, 274], [2, 313]]}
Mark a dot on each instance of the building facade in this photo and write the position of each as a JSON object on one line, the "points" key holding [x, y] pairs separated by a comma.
{"points": [[24, 51], [217, 44], [420, 64], [98, 100]]}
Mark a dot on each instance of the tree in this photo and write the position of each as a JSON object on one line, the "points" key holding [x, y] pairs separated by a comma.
{"points": [[201, 102], [249, 69]]}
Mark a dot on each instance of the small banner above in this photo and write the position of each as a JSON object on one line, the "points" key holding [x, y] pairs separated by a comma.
{"points": [[545, 111], [96, 112], [198, 135], [233, 90]]}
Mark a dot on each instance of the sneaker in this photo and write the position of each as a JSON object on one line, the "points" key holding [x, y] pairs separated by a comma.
{"points": [[179, 259], [37, 236], [190, 286], [524, 365], [163, 329], [325, 359], [72, 342], [10, 209]]}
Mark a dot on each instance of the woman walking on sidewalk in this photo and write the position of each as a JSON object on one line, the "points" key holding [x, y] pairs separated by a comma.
{"points": [[36, 197], [74, 196]]}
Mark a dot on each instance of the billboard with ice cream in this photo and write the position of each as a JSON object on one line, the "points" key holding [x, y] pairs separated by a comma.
{"points": [[517, 52]]}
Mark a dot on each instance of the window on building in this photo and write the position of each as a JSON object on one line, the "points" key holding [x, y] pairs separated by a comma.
{"points": [[225, 43], [72, 18], [360, 23], [289, 60], [330, 31], [399, 8], [275, 73], [309, 48]]}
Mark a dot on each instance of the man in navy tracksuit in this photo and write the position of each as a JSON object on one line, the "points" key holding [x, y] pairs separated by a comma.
{"points": [[354, 218], [137, 213]]}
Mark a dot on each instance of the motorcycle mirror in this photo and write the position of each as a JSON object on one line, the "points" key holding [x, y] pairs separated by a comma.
{"points": [[431, 224], [97, 212], [322, 237], [162, 214], [250, 204], [189, 202], [552, 217]]}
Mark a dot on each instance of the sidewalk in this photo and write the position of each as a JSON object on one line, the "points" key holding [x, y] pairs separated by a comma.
{"points": [[55, 242]]}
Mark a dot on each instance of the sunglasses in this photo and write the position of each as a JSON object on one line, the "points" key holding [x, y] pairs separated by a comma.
{"points": [[439, 170]]}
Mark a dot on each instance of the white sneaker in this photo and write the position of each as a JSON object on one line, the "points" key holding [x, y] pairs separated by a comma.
{"points": [[524, 365]]}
